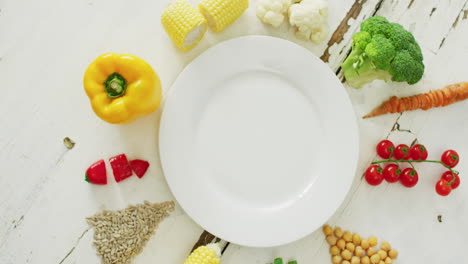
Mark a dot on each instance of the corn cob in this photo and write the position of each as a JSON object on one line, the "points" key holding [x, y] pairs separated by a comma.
{"points": [[184, 24], [221, 13], [209, 254]]}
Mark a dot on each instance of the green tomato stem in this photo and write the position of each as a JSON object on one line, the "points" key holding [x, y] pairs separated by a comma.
{"points": [[412, 161]]}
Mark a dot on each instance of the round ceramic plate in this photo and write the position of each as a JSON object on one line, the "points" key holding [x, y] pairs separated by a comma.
{"points": [[258, 141]]}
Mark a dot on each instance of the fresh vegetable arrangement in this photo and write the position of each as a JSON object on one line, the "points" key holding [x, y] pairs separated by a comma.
{"points": [[209, 254], [383, 51], [438, 98], [121, 169], [307, 17], [409, 177], [187, 25], [348, 248], [122, 87]]}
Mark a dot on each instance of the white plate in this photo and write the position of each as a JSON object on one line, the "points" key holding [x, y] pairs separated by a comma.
{"points": [[258, 141]]}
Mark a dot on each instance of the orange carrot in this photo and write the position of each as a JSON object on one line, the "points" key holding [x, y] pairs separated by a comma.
{"points": [[448, 95]]}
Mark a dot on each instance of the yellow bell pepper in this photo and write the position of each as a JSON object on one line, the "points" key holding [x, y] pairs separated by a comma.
{"points": [[122, 87]]}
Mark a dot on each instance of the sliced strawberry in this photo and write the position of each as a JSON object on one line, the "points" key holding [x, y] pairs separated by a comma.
{"points": [[96, 173], [139, 167], [120, 167]]}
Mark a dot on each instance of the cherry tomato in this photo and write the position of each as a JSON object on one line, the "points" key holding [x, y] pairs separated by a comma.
{"points": [[442, 188], [450, 158], [374, 175], [401, 152], [448, 177], [409, 177], [385, 149], [418, 152], [391, 173]]}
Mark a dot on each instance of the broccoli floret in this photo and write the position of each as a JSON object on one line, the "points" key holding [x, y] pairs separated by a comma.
{"points": [[380, 51], [376, 25], [405, 68], [400, 37], [360, 40], [384, 51]]}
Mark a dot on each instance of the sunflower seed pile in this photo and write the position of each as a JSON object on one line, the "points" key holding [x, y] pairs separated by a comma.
{"points": [[121, 235]]}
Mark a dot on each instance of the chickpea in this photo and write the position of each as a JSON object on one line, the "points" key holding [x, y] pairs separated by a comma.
{"points": [[341, 244], [338, 232], [371, 251], [381, 262], [355, 260], [365, 244], [373, 241], [388, 260], [393, 253], [346, 254], [327, 230], [334, 251], [350, 246], [347, 236], [375, 258], [345, 262], [386, 246], [382, 254], [365, 260], [331, 240], [336, 259], [357, 239], [359, 251]]}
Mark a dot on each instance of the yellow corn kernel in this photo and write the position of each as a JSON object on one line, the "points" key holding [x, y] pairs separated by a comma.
{"points": [[222, 13], [209, 254], [184, 24]]}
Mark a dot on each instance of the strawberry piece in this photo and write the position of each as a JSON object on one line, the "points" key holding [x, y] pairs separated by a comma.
{"points": [[120, 167], [96, 173], [139, 167]]}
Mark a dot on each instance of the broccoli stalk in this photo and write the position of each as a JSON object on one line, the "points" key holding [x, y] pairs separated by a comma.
{"points": [[383, 51], [359, 70]]}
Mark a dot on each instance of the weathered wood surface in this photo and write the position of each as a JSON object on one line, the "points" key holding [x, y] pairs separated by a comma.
{"points": [[45, 47]]}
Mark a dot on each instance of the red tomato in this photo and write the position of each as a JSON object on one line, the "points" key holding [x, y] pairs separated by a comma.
{"points": [[409, 177], [450, 158], [442, 188], [374, 175], [385, 149], [448, 177], [391, 173], [401, 152], [418, 152]]}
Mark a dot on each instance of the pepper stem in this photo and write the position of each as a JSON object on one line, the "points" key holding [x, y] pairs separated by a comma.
{"points": [[115, 85]]}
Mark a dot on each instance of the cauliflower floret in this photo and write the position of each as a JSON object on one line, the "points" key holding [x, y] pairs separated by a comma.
{"points": [[273, 11], [310, 19]]}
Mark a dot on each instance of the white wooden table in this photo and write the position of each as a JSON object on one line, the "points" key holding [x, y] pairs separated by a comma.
{"points": [[44, 49]]}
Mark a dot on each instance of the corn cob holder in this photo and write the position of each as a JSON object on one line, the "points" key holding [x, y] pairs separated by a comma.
{"points": [[222, 13], [209, 254], [184, 24]]}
